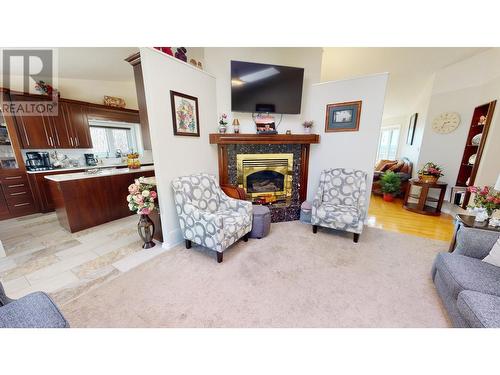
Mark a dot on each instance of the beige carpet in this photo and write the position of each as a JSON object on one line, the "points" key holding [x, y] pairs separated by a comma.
{"points": [[292, 278]]}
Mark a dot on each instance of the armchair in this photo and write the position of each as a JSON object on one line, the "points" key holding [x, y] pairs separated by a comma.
{"points": [[340, 201], [209, 217]]}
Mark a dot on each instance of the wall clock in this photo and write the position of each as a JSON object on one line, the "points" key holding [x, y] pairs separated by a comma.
{"points": [[446, 122]]}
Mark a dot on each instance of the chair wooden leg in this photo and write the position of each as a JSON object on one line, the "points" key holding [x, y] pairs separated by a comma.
{"points": [[245, 238], [315, 229], [219, 257], [188, 244], [355, 237]]}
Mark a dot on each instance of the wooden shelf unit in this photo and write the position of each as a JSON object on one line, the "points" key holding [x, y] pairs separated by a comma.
{"points": [[467, 172]]}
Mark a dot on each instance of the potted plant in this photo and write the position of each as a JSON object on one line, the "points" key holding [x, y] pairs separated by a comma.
{"points": [[223, 123], [307, 126], [390, 184], [486, 200], [430, 173], [141, 199]]}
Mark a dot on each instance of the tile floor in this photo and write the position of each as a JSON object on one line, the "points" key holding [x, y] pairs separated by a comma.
{"points": [[41, 255]]}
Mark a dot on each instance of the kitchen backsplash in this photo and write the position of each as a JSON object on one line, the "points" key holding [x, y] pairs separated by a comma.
{"points": [[77, 158]]}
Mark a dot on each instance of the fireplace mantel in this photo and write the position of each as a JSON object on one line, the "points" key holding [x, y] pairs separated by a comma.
{"points": [[228, 144], [268, 139]]}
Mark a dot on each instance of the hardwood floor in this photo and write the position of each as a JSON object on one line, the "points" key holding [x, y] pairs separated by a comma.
{"points": [[393, 217]]}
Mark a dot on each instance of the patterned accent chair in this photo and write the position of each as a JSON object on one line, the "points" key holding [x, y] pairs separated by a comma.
{"points": [[340, 202], [207, 216]]}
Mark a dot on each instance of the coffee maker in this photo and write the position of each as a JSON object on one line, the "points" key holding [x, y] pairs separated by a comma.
{"points": [[90, 160], [38, 161]]}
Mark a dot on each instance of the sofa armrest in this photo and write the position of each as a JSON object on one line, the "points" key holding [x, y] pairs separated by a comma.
{"points": [[36, 310], [475, 243]]}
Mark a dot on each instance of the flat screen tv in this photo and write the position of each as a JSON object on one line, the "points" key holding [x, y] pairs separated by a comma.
{"points": [[265, 88]]}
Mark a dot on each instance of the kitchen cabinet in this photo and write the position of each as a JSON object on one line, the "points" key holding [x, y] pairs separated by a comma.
{"points": [[76, 116], [17, 194]]}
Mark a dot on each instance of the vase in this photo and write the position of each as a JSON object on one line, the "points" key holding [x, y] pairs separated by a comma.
{"points": [[307, 130], [222, 129], [428, 179], [146, 229], [388, 197]]}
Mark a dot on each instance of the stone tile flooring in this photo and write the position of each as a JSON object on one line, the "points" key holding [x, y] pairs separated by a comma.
{"points": [[42, 255]]}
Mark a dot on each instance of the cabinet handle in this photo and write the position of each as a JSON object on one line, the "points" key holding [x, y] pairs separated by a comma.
{"points": [[13, 186], [13, 177], [77, 141], [25, 133], [20, 193], [21, 204], [57, 137], [71, 141]]}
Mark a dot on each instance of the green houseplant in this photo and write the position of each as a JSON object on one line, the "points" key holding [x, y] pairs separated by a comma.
{"points": [[390, 184]]}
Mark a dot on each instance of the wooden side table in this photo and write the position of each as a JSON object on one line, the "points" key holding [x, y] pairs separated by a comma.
{"points": [[423, 198]]}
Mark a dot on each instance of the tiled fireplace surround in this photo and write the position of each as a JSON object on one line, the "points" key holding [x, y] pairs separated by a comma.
{"points": [[230, 145]]}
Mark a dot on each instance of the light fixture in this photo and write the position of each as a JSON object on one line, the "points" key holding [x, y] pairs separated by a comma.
{"points": [[261, 74], [237, 82]]}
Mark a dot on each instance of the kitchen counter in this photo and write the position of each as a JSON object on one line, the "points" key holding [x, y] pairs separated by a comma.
{"points": [[84, 200], [84, 167], [103, 173]]}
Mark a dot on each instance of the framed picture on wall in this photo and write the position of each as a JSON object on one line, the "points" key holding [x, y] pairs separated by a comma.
{"points": [[343, 117], [411, 129], [185, 117]]}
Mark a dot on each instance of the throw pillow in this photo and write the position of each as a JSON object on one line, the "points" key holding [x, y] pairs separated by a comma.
{"points": [[396, 167], [494, 256], [388, 165], [380, 165]]}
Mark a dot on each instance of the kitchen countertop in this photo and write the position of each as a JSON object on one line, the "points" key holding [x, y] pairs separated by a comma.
{"points": [[103, 173], [85, 167]]}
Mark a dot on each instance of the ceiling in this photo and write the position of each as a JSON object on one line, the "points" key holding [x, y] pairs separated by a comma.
{"points": [[410, 69], [106, 63]]}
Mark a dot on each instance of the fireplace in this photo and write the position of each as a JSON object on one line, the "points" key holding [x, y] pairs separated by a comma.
{"points": [[266, 178]]}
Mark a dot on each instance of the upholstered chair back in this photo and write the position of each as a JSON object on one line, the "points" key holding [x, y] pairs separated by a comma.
{"points": [[342, 186], [200, 190]]}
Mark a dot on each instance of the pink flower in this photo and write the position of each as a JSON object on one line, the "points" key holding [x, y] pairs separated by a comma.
{"points": [[473, 189], [145, 211], [153, 194], [485, 190], [138, 198], [497, 201], [490, 198]]}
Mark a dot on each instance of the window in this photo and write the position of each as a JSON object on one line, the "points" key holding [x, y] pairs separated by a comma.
{"points": [[388, 146], [111, 139]]}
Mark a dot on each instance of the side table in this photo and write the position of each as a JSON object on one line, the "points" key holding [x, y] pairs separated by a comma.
{"points": [[468, 221], [423, 198]]}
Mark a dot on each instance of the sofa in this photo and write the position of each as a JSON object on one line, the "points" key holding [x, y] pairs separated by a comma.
{"points": [[35, 310], [469, 287], [403, 168]]}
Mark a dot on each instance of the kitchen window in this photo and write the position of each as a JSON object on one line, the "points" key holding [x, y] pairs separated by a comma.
{"points": [[389, 142], [111, 139]]}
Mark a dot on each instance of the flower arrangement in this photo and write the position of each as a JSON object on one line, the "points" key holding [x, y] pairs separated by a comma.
{"points": [[486, 198], [430, 172], [141, 198], [44, 88], [308, 124], [222, 123]]}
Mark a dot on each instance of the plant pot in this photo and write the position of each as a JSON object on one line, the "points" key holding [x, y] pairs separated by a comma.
{"points": [[388, 197], [428, 179], [307, 130], [146, 229], [222, 129]]}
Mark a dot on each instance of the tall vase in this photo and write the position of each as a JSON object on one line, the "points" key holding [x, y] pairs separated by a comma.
{"points": [[146, 229]]}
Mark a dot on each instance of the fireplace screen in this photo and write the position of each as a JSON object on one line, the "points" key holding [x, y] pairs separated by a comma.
{"points": [[266, 177]]}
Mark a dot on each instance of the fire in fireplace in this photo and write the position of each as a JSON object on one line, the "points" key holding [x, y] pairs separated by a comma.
{"points": [[265, 176]]}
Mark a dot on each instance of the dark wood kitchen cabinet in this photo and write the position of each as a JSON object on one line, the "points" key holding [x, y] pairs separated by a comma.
{"points": [[79, 130], [17, 194]]}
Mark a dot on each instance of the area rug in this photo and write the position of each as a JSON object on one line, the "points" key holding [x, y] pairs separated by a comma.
{"points": [[291, 278]]}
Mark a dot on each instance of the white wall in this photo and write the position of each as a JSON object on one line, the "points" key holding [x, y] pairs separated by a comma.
{"points": [[177, 155], [460, 88], [347, 149], [217, 61]]}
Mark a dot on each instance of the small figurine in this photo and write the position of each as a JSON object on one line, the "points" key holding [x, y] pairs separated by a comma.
{"points": [[482, 120], [181, 54]]}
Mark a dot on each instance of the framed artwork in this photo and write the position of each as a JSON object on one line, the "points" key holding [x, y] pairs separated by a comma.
{"points": [[343, 117], [411, 129], [185, 117]]}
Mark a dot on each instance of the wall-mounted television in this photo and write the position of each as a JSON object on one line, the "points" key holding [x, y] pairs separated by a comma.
{"points": [[265, 88]]}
